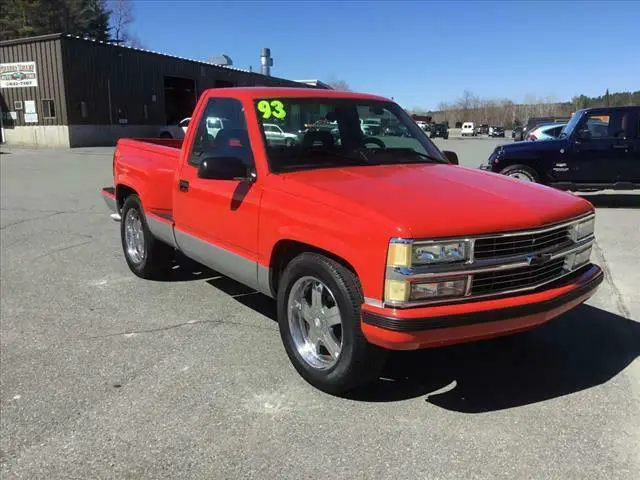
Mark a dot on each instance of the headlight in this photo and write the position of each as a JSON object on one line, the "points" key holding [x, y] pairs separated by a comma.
{"points": [[439, 289], [427, 289], [579, 231], [407, 254], [577, 260]]}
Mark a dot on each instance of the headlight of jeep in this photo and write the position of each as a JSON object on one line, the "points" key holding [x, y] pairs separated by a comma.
{"points": [[408, 254], [581, 230]]}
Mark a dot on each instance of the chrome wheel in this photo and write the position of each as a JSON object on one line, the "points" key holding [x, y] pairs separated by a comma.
{"points": [[315, 322], [522, 176], [134, 236]]}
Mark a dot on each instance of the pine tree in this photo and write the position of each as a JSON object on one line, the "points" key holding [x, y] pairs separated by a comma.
{"points": [[607, 99], [28, 18]]}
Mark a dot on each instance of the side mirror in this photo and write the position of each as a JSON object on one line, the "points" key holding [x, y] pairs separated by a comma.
{"points": [[451, 156], [584, 135], [223, 168]]}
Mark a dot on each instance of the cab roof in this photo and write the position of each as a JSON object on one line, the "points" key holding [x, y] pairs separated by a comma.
{"points": [[253, 93]]}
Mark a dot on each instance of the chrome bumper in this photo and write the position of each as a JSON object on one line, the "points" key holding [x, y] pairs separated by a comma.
{"points": [[109, 196]]}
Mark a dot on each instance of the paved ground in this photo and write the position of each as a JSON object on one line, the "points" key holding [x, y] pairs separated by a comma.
{"points": [[104, 375]]}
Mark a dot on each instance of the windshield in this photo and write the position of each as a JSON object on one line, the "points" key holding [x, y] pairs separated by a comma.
{"points": [[569, 127], [328, 132]]}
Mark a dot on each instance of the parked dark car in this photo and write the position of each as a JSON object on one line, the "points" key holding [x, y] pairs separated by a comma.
{"points": [[520, 134], [598, 149], [483, 129], [439, 130], [495, 131]]}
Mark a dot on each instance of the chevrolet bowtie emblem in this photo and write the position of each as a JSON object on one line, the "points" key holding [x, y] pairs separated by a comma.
{"points": [[538, 259]]}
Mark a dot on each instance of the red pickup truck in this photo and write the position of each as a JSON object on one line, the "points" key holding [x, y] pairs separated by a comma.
{"points": [[367, 243]]}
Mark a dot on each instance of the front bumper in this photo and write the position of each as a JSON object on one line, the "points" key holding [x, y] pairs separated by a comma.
{"points": [[434, 326]]}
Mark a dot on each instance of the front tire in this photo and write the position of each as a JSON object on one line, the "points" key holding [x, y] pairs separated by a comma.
{"points": [[521, 172], [319, 318], [146, 256]]}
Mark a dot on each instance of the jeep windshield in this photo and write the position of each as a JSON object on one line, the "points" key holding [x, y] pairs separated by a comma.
{"points": [[336, 132]]}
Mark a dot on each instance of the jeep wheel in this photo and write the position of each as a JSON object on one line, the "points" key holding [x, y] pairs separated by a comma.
{"points": [[319, 318], [521, 172], [146, 256]]}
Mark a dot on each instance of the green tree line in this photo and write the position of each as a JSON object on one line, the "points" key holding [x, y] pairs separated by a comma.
{"points": [[28, 18], [616, 99]]}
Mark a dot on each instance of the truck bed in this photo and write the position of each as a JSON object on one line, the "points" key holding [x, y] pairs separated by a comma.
{"points": [[152, 163]]}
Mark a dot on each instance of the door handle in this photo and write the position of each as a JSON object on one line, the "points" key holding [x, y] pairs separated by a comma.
{"points": [[183, 185]]}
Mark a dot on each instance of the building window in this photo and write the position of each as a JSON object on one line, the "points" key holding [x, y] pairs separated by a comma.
{"points": [[48, 109], [17, 104]]}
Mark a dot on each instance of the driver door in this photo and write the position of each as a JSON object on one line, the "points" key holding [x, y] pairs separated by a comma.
{"points": [[602, 157], [217, 220]]}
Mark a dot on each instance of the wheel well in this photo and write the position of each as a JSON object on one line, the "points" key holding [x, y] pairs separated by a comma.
{"points": [[532, 164], [286, 250], [122, 192]]}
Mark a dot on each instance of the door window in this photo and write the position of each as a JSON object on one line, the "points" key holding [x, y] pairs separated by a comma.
{"points": [[222, 131], [607, 126]]}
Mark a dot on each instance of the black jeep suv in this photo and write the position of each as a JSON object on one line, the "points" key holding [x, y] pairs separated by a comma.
{"points": [[439, 130], [598, 149]]}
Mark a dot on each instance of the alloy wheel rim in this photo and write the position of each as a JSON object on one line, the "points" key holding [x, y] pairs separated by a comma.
{"points": [[134, 236], [315, 322], [522, 176]]}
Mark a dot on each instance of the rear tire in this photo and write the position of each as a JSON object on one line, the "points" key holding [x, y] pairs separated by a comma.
{"points": [[521, 172], [331, 369], [146, 256], [165, 135]]}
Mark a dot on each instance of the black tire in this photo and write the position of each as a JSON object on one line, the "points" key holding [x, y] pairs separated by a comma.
{"points": [[522, 170], [288, 142], [359, 361], [165, 135], [158, 256]]}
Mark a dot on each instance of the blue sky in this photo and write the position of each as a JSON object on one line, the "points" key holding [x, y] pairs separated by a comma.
{"points": [[419, 52]]}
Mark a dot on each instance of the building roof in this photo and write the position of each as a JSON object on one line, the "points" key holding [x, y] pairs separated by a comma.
{"points": [[53, 36], [315, 83]]}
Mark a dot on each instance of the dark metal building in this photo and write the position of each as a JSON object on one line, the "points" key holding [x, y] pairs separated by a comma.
{"points": [[61, 90]]}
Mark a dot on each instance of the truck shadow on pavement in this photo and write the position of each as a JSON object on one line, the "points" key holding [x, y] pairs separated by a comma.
{"points": [[581, 349], [185, 270]]}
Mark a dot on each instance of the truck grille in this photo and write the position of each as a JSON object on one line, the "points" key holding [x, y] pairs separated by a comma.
{"points": [[526, 243], [517, 278]]}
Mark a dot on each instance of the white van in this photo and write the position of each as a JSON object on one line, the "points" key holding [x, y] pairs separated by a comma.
{"points": [[468, 129]]}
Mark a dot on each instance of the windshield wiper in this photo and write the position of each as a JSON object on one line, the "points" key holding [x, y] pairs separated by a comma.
{"points": [[411, 151], [357, 161]]}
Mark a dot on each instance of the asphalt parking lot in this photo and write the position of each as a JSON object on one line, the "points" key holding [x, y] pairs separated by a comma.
{"points": [[104, 375]]}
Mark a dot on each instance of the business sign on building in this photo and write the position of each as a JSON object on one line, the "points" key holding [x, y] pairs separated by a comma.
{"points": [[16, 75]]}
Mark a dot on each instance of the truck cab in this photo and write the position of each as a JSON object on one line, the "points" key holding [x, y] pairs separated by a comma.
{"points": [[598, 149]]}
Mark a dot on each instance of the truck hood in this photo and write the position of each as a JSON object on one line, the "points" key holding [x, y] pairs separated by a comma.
{"points": [[537, 146], [434, 200]]}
